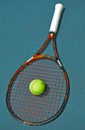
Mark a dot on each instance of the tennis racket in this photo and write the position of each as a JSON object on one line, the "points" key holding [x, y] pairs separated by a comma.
{"points": [[41, 109]]}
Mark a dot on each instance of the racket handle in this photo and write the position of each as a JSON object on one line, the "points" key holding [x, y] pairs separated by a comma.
{"points": [[56, 17]]}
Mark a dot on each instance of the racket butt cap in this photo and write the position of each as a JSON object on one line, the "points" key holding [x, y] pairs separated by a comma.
{"points": [[59, 5]]}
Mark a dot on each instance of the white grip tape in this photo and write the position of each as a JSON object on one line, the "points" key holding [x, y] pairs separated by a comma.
{"points": [[56, 18]]}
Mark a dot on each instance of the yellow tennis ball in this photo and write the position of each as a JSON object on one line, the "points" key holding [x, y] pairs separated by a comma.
{"points": [[37, 87]]}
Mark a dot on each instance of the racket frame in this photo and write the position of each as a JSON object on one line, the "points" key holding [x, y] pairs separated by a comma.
{"points": [[38, 55]]}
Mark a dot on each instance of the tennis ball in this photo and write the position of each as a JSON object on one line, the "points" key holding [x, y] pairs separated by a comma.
{"points": [[37, 87]]}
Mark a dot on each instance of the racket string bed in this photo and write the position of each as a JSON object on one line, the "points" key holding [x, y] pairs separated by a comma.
{"points": [[29, 107]]}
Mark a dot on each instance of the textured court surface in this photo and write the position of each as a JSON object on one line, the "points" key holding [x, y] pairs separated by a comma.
{"points": [[24, 26]]}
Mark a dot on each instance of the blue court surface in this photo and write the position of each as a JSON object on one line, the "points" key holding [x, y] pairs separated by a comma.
{"points": [[24, 25]]}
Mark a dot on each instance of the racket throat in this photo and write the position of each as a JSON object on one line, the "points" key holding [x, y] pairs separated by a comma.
{"points": [[45, 44]]}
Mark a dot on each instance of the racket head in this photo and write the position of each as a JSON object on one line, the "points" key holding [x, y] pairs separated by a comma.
{"points": [[38, 110]]}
